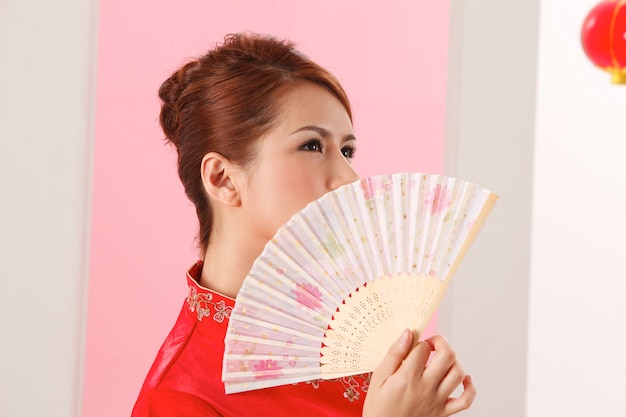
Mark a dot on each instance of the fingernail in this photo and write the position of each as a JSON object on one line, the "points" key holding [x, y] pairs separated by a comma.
{"points": [[404, 336]]}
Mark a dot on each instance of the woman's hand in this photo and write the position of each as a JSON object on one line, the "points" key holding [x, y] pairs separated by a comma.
{"points": [[406, 384]]}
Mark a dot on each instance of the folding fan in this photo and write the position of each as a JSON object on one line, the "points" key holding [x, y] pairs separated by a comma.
{"points": [[338, 283]]}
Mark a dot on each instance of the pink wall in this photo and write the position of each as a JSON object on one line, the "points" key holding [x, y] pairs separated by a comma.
{"points": [[390, 56]]}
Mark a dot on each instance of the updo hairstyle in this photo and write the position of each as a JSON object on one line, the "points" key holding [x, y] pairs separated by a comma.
{"points": [[226, 100]]}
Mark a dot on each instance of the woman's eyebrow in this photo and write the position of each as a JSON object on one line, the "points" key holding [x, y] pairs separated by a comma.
{"points": [[320, 130], [323, 132]]}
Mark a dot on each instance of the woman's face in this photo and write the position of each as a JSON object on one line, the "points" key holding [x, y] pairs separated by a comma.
{"points": [[306, 155]]}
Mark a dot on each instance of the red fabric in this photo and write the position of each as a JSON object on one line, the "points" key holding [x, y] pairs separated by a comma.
{"points": [[185, 379]]}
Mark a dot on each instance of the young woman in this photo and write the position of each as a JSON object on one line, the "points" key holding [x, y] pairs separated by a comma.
{"points": [[261, 131]]}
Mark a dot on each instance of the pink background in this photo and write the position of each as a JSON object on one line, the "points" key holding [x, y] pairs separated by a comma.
{"points": [[391, 58]]}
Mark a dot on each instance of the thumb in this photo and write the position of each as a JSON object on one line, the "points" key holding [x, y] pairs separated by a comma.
{"points": [[394, 357]]}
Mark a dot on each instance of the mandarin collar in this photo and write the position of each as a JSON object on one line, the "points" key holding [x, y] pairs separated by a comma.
{"points": [[205, 302]]}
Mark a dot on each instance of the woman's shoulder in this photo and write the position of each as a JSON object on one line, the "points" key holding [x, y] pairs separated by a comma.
{"points": [[194, 346]]}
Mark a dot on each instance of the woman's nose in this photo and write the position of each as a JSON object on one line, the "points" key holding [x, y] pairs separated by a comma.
{"points": [[342, 173]]}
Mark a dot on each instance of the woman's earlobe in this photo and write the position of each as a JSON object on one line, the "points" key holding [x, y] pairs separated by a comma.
{"points": [[218, 180]]}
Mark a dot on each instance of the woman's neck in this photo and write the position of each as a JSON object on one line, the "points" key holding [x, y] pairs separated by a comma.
{"points": [[227, 262]]}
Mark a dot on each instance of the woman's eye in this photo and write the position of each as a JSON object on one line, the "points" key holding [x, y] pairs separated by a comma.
{"points": [[313, 146], [348, 152]]}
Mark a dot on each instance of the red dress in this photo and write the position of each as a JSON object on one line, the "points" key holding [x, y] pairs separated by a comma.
{"points": [[185, 379]]}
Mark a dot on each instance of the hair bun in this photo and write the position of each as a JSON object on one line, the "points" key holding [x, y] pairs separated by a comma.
{"points": [[170, 93]]}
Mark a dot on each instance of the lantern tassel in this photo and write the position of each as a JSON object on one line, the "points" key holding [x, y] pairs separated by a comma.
{"points": [[618, 76]]}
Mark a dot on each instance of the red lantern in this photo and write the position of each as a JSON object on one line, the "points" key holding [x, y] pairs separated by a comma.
{"points": [[604, 38]]}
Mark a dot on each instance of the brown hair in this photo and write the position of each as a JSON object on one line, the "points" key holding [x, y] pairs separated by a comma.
{"points": [[227, 99]]}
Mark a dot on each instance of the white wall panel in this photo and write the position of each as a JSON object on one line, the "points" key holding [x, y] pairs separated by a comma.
{"points": [[536, 311], [577, 338], [46, 51], [492, 82]]}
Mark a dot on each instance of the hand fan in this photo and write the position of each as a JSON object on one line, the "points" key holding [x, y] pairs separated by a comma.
{"points": [[338, 283]]}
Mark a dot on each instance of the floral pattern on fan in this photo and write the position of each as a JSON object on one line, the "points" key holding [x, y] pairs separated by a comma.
{"points": [[337, 283], [266, 369], [308, 295], [374, 185], [438, 199]]}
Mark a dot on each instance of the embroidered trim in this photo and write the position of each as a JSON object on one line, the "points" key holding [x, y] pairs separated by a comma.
{"points": [[202, 303], [351, 385]]}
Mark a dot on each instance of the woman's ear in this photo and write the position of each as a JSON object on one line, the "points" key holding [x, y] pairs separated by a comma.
{"points": [[218, 177]]}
